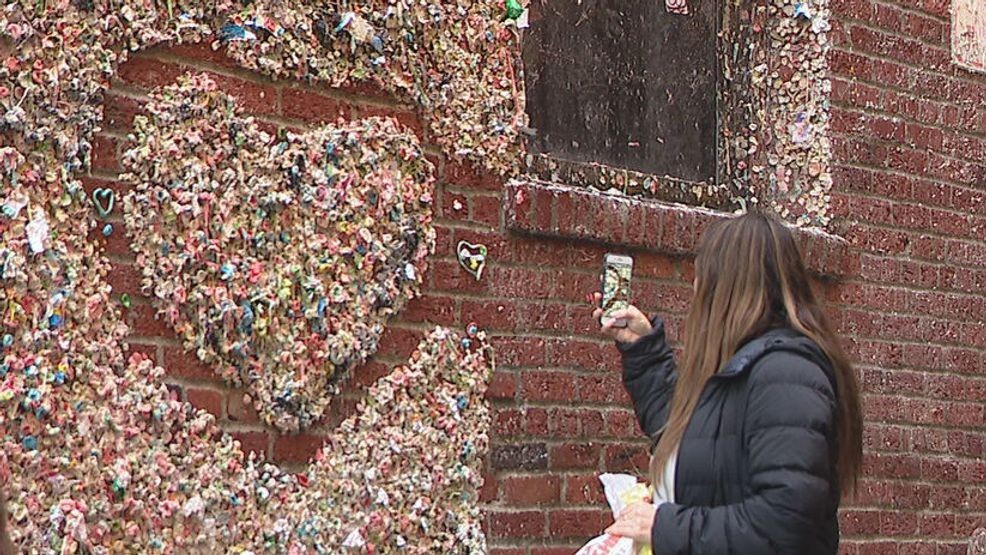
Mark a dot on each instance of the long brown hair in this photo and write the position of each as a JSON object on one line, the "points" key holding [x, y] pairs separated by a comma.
{"points": [[750, 277]]}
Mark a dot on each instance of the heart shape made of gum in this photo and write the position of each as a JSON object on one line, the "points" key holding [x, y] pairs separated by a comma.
{"points": [[277, 260]]}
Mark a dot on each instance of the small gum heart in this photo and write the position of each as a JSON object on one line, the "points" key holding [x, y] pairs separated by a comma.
{"points": [[103, 199], [472, 258], [279, 262]]}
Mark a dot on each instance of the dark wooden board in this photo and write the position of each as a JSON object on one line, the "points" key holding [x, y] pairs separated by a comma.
{"points": [[624, 83]]}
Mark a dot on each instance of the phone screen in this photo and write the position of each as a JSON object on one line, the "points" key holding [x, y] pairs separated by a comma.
{"points": [[617, 270]]}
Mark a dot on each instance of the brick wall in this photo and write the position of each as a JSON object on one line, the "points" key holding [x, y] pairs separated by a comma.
{"points": [[909, 134]]}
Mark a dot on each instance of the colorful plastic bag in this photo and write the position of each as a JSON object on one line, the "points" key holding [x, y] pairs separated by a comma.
{"points": [[621, 490]]}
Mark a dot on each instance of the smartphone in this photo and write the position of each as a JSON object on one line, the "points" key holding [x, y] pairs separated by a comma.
{"points": [[615, 286]]}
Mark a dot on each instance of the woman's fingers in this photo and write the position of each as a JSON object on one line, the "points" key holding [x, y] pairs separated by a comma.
{"points": [[635, 521], [622, 314], [625, 325]]}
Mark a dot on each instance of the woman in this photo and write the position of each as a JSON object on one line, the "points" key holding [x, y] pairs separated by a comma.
{"points": [[758, 430]]}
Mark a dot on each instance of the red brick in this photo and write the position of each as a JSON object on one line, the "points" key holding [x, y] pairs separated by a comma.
{"points": [[399, 342], [147, 350], [176, 362], [972, 472], [917, 548], [507, 423], [125, 278], [584, 355], [564, 423], [592, 423], [642, 227], [342, 407], [203, 52], [454, 205], [578, 319], [119, 112], [542, 209], [574, 455], [486, 210], [404, 116], [208, 400], [370, 372], [104, 153], [877, 240], [547, 386], [578, 523], [524, 283], [465, 174], [583, 489], [449, 275], [502, 386], [558, 253], [253, 98], [607, 388], [627, 458], [367, 89], [443, 239], [573, 287], [898, 523], [519, 456], [520, 491], [678, 233], [516, 524], [519, 351], [312, 107], [585, 215], [945, 497], [148, 73], [487, 492], [493, 315], [252, 441], [663, 296], [431, 310], [296, 448], [621, 423], [116, 244], [860, 523], [239, 407], [897, 381], [144, 322], [536, 421]]}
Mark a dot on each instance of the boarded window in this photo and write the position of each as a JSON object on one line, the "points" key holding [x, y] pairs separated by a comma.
{"points": [[624, 83]]}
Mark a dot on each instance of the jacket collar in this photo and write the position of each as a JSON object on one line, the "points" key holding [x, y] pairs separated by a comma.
{"points": [[785, 339]]}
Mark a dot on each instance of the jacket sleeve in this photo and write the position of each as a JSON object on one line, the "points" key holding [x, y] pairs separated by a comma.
{"points": [[649, 375], [790, 420]]}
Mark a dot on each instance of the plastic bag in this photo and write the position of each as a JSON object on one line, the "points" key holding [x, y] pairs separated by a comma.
{"points": [[621, 490]]}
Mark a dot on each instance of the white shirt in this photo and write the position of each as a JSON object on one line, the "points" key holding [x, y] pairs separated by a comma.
{"points": [[664, 493]]}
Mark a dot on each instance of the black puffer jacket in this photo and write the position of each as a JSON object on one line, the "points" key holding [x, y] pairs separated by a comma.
{"points": [[756, 467]]}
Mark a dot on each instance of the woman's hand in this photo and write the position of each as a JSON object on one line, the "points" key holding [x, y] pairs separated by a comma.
{"points": [[635, 522], [637, 325]]}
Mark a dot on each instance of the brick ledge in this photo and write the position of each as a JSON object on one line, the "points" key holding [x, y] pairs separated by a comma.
{"points": [[551, 210]]}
